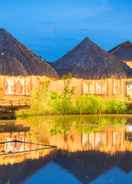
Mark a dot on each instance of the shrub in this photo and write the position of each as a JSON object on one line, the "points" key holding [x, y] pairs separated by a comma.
{"points": [[40, 99], [62, 103], [116, 106], [45, 102], [90, 104]]}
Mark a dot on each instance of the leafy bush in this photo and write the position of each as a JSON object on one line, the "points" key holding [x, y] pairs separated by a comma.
{"points": [[116, 106], [45, 102], [90, 104], [62, 103], [40, 100]]}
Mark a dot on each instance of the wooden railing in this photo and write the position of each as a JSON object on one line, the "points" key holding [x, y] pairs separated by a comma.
{"points": [[30, 151]]}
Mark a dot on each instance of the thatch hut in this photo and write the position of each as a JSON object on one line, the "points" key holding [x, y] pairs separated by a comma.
{"points": [[20, 68], [95, 70], [123, 52]]}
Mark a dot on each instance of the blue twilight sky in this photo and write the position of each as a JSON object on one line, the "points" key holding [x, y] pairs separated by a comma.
{"points": [[52, 27]]}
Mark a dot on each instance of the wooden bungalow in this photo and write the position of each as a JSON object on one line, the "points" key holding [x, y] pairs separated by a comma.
{"points": [[124, 52], [95, 71], [20, 69]]}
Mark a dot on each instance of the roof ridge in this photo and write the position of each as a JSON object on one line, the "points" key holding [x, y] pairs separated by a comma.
{"points": [[122, 44], [31, 62]]}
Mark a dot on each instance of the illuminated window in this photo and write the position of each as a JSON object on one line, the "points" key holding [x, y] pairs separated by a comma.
{"points": [[116, 87], [129, 85], [88, 88], [17, 87], [129, 89], [98, 87], [27, 87], [9, 87]]}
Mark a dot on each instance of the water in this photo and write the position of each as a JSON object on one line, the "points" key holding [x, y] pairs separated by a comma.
{"points": [[66, 149]]}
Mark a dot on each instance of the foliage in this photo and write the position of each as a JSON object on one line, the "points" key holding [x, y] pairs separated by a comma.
{"points": [[44, 101], [40, 101], [64, 124], [61, 103], [116, 107], [90, 104]]}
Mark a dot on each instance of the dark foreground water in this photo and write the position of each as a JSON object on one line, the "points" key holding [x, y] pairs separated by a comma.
{"points": [[66, 150]]}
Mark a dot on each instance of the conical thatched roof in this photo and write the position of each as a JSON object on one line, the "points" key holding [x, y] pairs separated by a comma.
{"points": [[11, 66], [87, 60], [16, 59], [123, 51]]}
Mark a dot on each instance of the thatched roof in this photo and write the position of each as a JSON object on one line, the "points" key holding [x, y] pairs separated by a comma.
{"points": [[123, 51], [16, 59], [88, 60]]}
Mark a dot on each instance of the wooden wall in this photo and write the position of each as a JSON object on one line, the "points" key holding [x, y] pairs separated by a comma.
{"points": [[103, 87], [19, 85], [22, 86]]}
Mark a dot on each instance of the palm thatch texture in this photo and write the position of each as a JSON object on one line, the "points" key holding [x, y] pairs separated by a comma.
{"points": [[87, 60], [16, 59], [124, 52]]}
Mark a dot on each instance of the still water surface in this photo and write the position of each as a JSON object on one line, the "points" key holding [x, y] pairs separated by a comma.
{"points": [[66, 150]]}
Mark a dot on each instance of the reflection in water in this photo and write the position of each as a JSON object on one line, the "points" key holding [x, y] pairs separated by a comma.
{"points": [[16, 144], [82, 141], [85, 133], [10, 133], [52, 173], [18, 173]]}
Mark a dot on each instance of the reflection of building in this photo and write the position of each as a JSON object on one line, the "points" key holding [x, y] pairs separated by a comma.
{"points": [[109, 140], [128, 134], [22, 167], [16, 144], [10, 133]]}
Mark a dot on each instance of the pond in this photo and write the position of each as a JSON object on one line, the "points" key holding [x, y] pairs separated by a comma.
{"points": [[66, 150]]}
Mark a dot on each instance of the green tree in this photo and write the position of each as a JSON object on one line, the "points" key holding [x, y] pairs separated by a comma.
{"points": [[116, 106]]}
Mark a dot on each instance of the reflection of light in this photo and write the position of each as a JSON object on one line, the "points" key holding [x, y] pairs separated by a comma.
{"points": [[2, 53], [129, 128]]}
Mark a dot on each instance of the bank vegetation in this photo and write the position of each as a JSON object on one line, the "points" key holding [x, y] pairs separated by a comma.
{"points": [[45, 102]]}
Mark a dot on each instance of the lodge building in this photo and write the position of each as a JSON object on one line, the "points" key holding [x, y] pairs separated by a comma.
{"points": [[124, 52], [92, 70], [110, 140], [20, 69], [95, 71]]}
